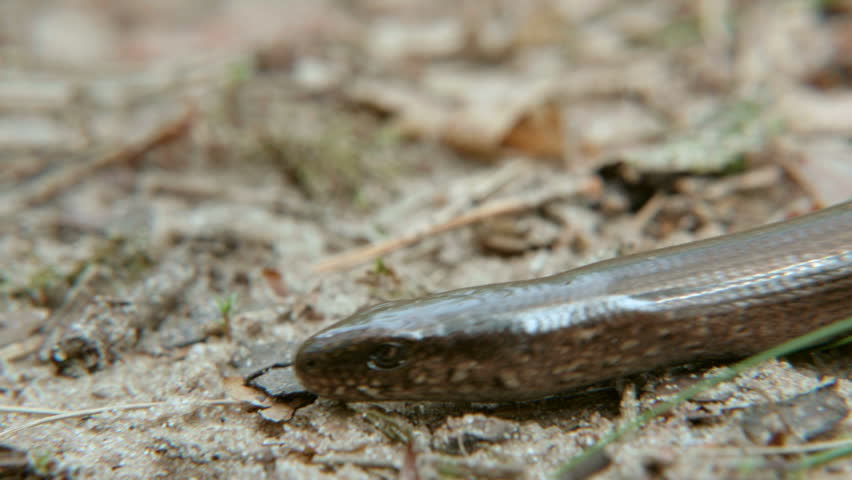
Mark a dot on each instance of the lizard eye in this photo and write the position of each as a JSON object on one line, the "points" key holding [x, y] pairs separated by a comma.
{"points": [[388, 356]]}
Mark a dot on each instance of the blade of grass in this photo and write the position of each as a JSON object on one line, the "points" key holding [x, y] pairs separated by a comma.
{"points": [[820, 335], [826, 456], [30, 411]]}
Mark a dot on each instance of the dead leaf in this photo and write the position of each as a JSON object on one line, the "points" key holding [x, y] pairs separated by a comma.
{"points": [[236, 389], [491, 105], [271, 409], [538, 132], [472, 111], [417, 114], [275, 281]]}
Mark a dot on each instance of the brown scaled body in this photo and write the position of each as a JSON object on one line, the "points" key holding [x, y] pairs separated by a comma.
{"points": [[723, 297]]}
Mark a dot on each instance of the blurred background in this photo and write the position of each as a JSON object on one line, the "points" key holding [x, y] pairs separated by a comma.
{"points": [[268, 167]]}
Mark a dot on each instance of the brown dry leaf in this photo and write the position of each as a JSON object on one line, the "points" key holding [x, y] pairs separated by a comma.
{"points": [[270, 408], [539, 132], [473, 112], [236, 388], [275, 281], [491, 106], [418, 114]]}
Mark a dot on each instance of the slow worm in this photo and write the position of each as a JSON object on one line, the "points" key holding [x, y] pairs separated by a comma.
{"points": [[724, 297]]}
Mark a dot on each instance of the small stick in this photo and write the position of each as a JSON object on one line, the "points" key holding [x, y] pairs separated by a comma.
{"points": [[54, 183], [647, 212], [491, 209], [30, 410], [115, 408]]}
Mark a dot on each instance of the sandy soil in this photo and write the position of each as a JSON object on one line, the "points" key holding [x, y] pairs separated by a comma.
{"points": [[178, 182]]}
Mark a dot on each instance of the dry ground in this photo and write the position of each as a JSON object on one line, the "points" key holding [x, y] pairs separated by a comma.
{"points": [[178, 180]]}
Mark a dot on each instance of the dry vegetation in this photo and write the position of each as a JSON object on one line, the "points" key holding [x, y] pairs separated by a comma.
{"points": [[188, 189]]}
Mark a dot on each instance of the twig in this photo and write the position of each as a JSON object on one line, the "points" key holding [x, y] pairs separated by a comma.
{"points": [[491, 209], [651, 208], [30, 410], [115, 408], [461, 195], [56, 182], [20, 349]]}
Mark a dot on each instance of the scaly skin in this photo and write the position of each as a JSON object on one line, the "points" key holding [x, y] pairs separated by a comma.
{"points": [[724, 297]]}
